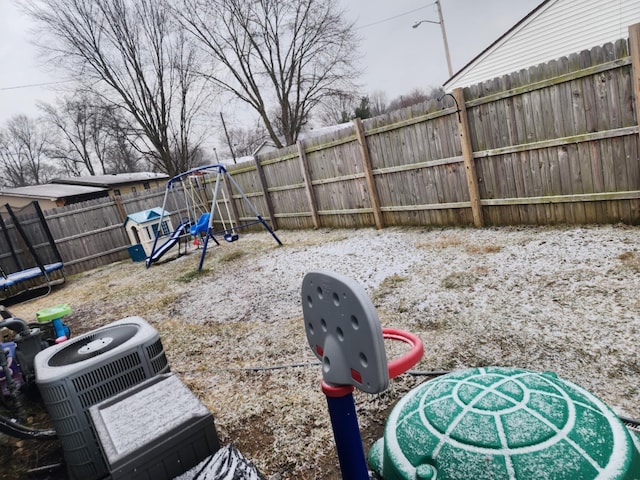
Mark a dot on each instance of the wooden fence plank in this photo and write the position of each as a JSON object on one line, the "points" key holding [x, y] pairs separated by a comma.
{"points": [[304, 168], [368, 171], [634, 44]]}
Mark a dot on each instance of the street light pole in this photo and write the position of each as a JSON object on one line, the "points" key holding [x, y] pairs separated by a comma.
{"points": [[444, 35], [444, 39]]}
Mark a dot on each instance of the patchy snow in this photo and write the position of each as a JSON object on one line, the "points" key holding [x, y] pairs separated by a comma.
{"points": [[547, 299], [561, 299]]}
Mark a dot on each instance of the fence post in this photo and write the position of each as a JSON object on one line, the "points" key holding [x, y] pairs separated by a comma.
{"points": [[634, 44], [368, 173], [304, 167], [265, 190], [469, 162], [120, 207]]}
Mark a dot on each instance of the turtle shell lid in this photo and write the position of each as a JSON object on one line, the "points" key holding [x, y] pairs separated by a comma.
{"points": [[504, 423]]}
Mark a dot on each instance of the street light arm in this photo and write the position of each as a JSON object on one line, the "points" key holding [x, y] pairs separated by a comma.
{"points": [[417, 24]]}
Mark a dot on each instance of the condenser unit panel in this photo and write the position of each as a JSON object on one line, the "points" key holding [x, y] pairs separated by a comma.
{"points": [[143, 435], [83, 371]]}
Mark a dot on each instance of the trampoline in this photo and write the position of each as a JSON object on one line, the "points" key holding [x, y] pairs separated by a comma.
{"points": [[30, 262]]}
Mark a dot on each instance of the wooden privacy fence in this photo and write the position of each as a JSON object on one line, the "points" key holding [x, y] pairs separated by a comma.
{"points": [[556, 143]]}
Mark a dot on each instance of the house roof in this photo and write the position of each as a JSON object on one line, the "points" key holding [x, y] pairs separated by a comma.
{"points": [[146, 215], [112, 180], [52, 192], [554, 29]]}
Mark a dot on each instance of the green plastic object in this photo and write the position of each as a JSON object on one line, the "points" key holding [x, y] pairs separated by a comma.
{"points": [[504, 423], [52, 313], [137, 253]]}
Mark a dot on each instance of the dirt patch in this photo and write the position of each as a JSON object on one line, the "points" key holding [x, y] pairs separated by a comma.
{"points": [[558, 299]]}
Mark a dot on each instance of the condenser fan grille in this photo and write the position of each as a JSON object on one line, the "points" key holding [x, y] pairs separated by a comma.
{"points": [[109, 379], [93, 344], [157, 358]]}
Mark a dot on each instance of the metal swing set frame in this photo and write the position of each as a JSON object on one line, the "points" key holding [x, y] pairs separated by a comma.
{"points": [[186, 225]]}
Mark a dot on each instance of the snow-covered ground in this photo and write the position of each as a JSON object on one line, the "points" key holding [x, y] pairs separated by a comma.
{"points": [[563, 299]]}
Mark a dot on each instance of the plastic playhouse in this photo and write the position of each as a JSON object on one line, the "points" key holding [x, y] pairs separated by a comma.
{"points": [[142, 228]]}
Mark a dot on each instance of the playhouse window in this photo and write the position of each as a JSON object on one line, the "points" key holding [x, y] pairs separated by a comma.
{"points": [[164, 229]]}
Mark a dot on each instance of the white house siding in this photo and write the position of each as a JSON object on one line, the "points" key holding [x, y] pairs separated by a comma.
{"points": [[558, 28]]}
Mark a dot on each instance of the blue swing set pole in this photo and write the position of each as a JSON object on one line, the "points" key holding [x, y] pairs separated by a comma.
{"points": [[167, 192], [213, 212]]}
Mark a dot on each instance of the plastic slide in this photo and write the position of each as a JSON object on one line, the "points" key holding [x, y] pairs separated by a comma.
{"points": [[166, 246], [201, 226]]}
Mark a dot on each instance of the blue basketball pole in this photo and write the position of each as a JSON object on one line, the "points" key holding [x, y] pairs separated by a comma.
{"points": [[346, 432], [344, 332]]}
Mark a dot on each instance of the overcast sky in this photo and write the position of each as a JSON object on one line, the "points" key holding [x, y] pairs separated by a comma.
{"points": [[395, 57]]}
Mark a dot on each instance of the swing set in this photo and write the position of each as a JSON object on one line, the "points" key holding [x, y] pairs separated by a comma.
{"points": [[197, 218]]}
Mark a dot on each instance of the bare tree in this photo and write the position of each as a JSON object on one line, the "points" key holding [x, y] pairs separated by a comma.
{"points": [[281, 57], [245, 141], [414, 97], [344, 108], [133, 54], [90, 137], [23, 147], [114, 139], [337, 109], [378, 103], [75, 129]]}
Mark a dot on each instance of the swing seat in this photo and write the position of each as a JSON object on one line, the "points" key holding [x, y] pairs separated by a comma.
{"points": [[231, 237]]}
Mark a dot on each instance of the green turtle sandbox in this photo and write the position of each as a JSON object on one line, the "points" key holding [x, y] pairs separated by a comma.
{"points": [[504, 423]]}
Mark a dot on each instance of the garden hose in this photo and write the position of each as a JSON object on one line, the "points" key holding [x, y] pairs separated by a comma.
{"points": [[11, 427]]}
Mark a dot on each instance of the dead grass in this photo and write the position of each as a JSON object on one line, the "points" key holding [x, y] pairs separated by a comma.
{"points": [[444, 240], [631, 260], [192, 275], [538, 298], [482, 249], [387, 286], [458, 239], [460, 280], [231, 256]]}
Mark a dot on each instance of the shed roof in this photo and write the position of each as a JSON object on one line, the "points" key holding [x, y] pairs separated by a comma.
{"points": [[146, 215], [554, 29], [51, 192], [115, 179]]}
